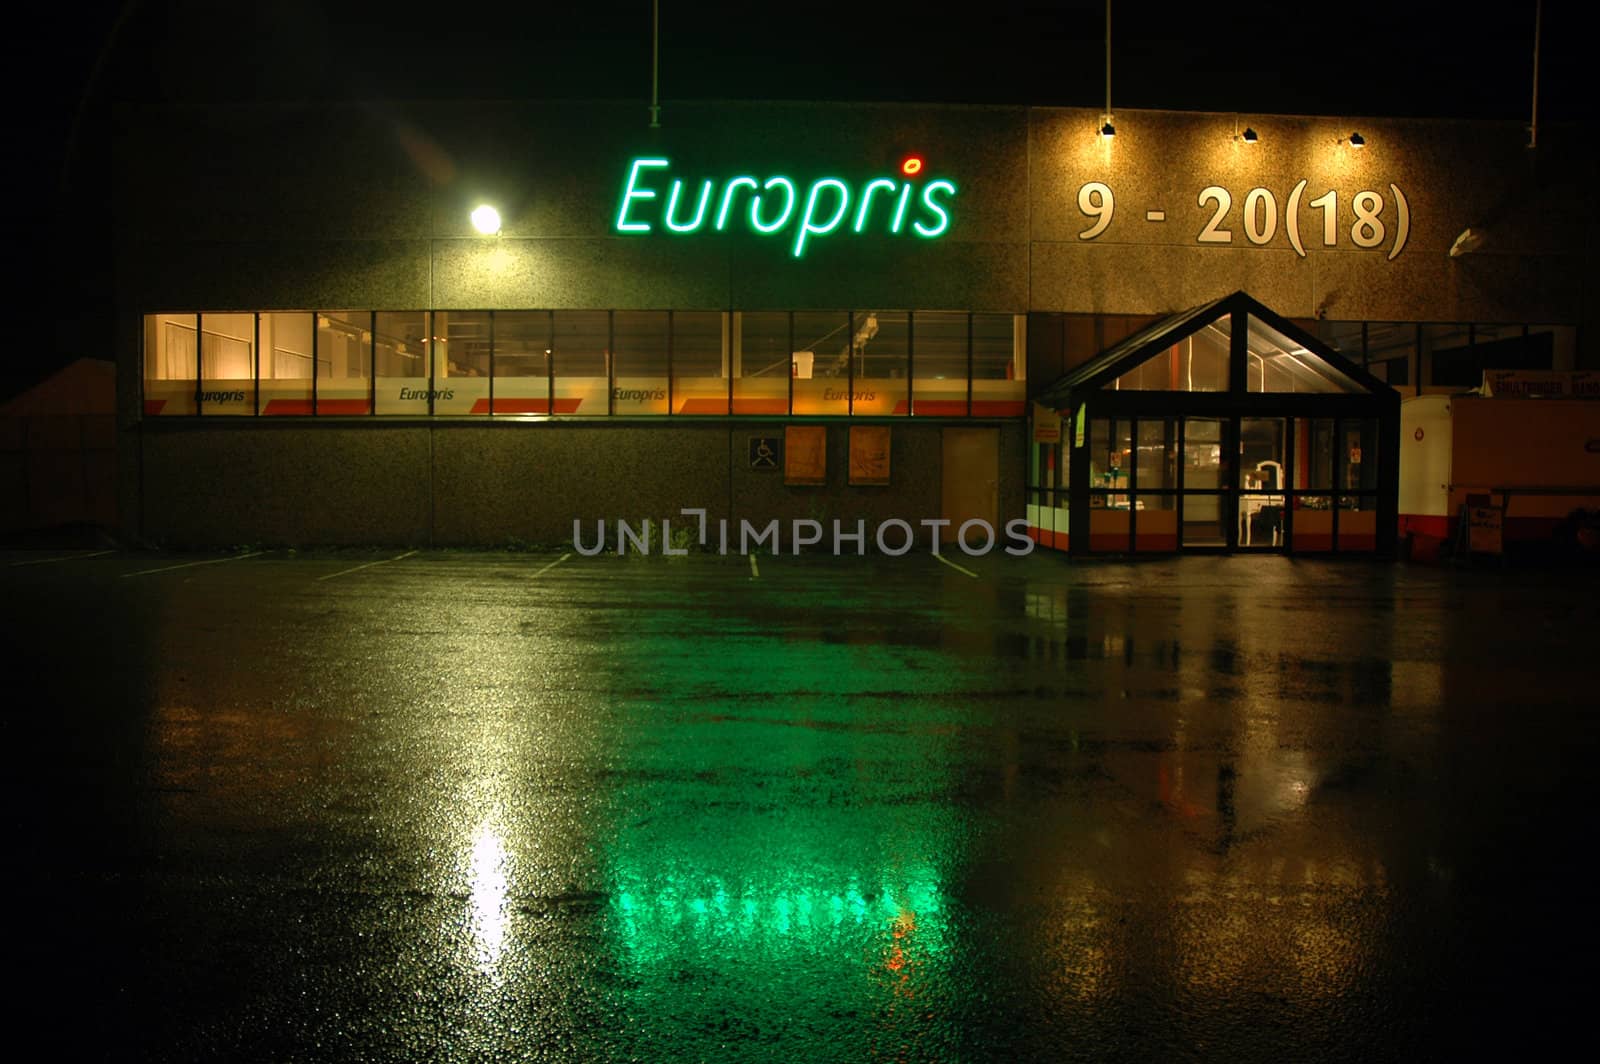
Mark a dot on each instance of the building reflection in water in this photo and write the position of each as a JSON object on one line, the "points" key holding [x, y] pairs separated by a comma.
{"points": [[874, 839]]}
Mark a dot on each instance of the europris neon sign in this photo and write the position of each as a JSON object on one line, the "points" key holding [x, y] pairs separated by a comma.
{"points": [[775, 205]]}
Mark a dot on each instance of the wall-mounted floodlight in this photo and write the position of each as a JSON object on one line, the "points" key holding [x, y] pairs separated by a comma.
{"points": [[486, 220], [1249, 135], [1357, 140]]}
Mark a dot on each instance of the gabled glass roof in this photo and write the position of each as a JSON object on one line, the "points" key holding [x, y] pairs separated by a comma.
{"points": [[1192, 351]]}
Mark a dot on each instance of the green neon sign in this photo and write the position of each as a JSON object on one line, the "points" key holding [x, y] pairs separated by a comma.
{"points": [[653, 199]]}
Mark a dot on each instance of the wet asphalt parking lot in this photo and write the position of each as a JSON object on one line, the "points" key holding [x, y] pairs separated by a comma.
{"points": [[474, 807]]}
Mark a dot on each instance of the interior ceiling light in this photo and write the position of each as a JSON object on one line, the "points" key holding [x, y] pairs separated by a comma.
{"points": [[1357, 140]]}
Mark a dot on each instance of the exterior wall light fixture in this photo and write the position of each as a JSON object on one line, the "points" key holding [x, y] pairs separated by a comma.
{"points": [[1108, 130], [486, 220], [1249, 135], [1357, 140]]}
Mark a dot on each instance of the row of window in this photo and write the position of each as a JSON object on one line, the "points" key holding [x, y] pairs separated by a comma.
{"points": [[585, 363], [1131, 456], [1414, 357], [1450, 355], [1160, 483]]}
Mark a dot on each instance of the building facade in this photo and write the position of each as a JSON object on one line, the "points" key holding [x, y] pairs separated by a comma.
{"points": [[823, 311]]}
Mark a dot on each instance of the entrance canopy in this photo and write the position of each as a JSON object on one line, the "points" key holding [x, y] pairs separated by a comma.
{"points": [[1231, 345], [1222, 427]]}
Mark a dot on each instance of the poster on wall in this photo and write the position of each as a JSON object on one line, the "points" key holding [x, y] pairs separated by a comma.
{"points": [[805, 454], [1485, 526], [1046, 424], [869, 454]]}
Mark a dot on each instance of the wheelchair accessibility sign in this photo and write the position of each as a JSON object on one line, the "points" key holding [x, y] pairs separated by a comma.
{"points": [[766, 452]]}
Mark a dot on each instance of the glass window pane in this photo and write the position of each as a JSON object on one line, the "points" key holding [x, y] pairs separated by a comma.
{"points": [[1261, 454], [344, 361], [582, 359], [1197, 363], [461, 362], [699, 362], [522, 362], [286, 350], [227, 364], [1357, 459], [1313, 450], [939, 362], [999, 358], [639, 340], [1391, 345], [1447, 352], [170, 363], [1562, 341], [1494, 347], [882, 355], [1344, 337], [1202, 521], [1202, 454], [1110, 456], [1261, 481], [762, 363], [1276, 362], [1158, 454], [401, 347], [822, 339], [1394, 372], [1357, 470]]}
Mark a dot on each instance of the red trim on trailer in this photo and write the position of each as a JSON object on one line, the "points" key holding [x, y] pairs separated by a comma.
{"points": [[1425, 525]]}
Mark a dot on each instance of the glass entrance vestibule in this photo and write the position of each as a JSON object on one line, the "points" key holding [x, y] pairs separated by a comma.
{"points": [[1223, 428]]}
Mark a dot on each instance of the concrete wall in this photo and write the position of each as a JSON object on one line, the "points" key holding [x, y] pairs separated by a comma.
{"points": [[461, 483], [1529, 208], [366, 206]]}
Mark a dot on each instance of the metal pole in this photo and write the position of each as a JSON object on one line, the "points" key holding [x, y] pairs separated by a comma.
{"points": [[1108, 60], [655, 63], [1533, 128]]}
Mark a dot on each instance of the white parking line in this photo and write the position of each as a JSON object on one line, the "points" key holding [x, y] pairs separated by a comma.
{"points": [[957, 568], [755, 570], [62, 558], [369, 565], [552, 565], [190, 565]]}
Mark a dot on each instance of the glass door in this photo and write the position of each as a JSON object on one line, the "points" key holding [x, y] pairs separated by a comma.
{"points": [[1205, 505], [1263, 483]]}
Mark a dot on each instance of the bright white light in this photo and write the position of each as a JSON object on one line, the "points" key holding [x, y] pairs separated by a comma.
{"points": [[489, 893], [486, 220]]}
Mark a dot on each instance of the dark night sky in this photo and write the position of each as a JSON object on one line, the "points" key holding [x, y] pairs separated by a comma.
{"points": [[1458, 60]]}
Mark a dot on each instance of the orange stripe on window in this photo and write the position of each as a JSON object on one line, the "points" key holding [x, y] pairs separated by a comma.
{"points": [[342, 406], [998, 408], [703, 406], [761, 406], [287, 407]]}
